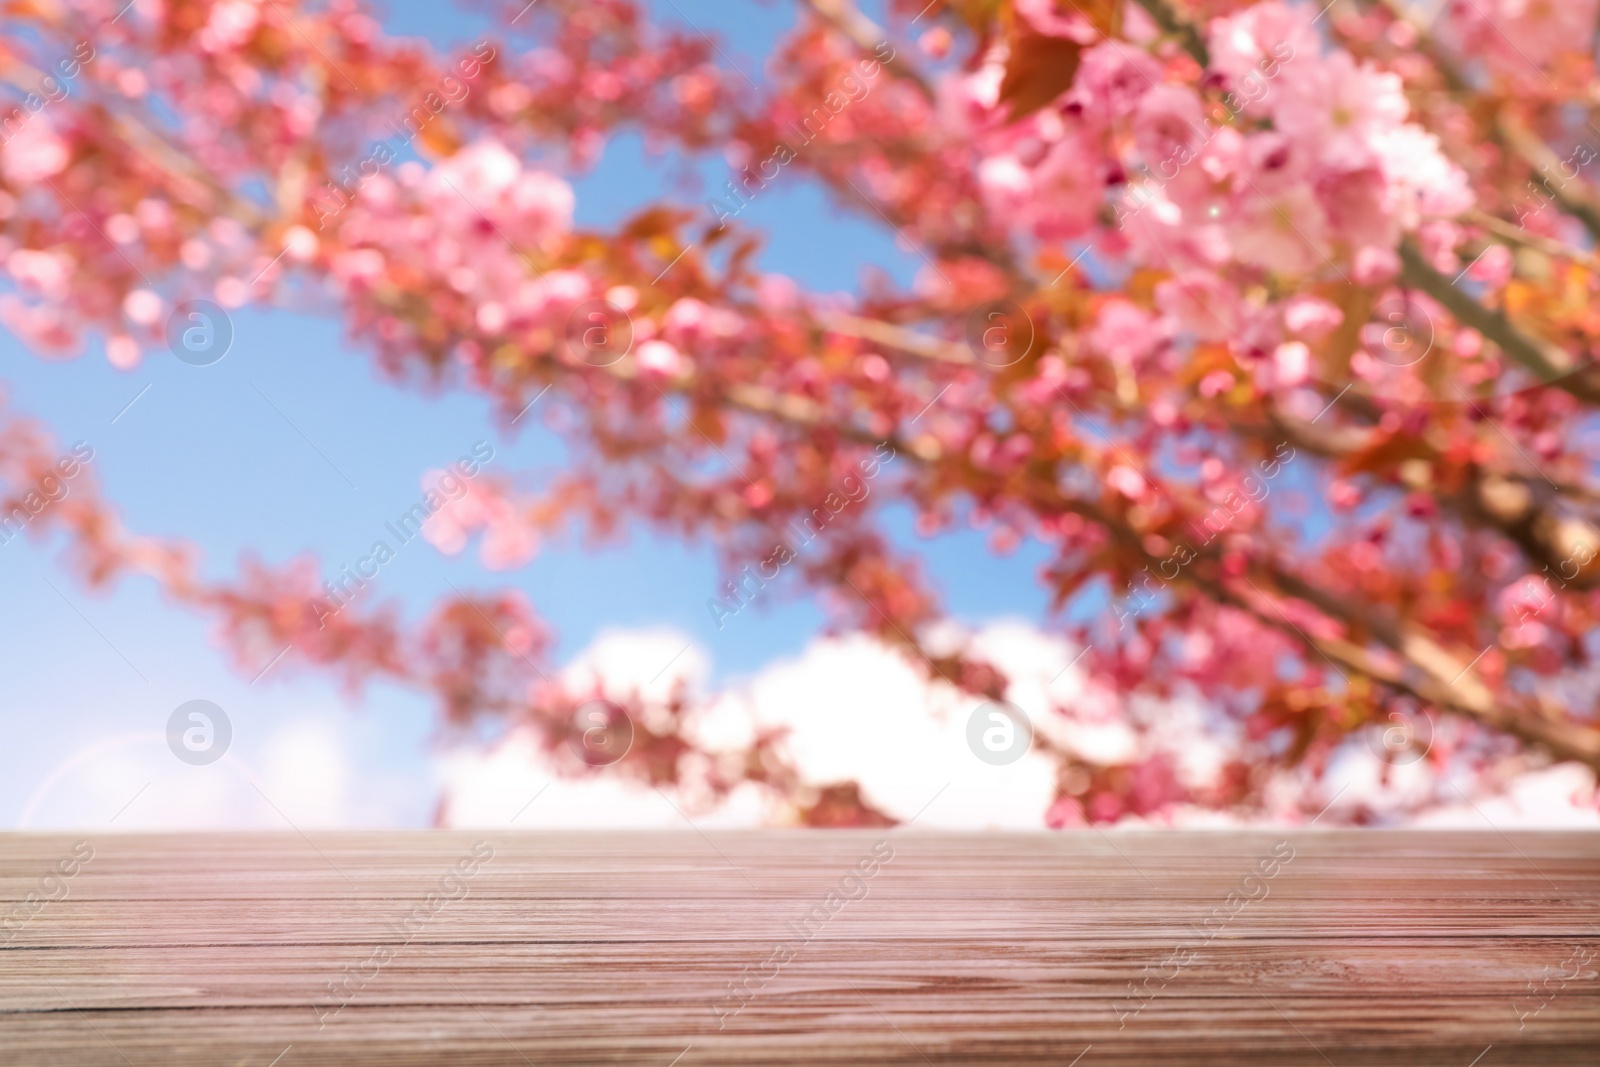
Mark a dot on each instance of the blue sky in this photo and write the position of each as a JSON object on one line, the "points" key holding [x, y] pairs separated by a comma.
{"points": [[292, 444]]}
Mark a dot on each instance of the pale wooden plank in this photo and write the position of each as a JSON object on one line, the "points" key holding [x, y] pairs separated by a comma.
{"points": [[1367, 947]]}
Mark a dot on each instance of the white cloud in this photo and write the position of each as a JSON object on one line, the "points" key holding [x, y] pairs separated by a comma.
{"points": [[302, 778], [858, 710], [854, 709], [512, 784], [650, 662], [1554, 797]]}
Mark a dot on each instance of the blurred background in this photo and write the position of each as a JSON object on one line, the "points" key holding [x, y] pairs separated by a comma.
{"points": [[292, 444]]}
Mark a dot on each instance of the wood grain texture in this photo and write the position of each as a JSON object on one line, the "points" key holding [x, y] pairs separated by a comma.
{"points": [[1365, 947]]}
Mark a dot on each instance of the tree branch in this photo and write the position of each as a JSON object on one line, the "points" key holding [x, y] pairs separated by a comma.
{"points": [[1464, 694], [866, 35], [899, 338], [1524, 238], [1176, 25], [1552, 364], [1503, 129], [1504, 501]]}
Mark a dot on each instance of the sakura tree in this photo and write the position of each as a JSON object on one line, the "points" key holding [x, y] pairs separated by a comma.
{"points": [[1272, 322]]}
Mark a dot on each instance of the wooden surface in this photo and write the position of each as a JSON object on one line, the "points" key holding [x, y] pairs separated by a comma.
{"points": [[1364, 948]]}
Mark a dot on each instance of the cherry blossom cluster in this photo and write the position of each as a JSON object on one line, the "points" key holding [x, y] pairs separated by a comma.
{"points": [[1228, 233]]}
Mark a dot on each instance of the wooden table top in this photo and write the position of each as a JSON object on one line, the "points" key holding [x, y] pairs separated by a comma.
{"points": [[800, 947]]}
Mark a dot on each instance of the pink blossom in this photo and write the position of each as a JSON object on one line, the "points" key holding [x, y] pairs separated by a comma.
{"points": [[690, 321], [509, 541], [142, 306], [1527, 597], [758, 495], [687, 317], [1160, 232], [44, 327], [1336, 106], [544, 200], [1225, 156], [1493, 267], [557, 292], [1358, 206], [1521, 606], [1127, 481], [1068, 191], [1046, 17], [623, 297], [484, 189], [1374, 266], [1282, 233], [658, 357], [776, 293], [935, 44], [1065, 812], [491, 317], [122, 228], [34, 154], [1058, 199], [364, 266], [133, 84], [122, 352], [46, 273], [602, 85], [1344, 494], [485, 169], [1292, 364], [1044, 389], [966, 103], [231, 25], [1007, 185], [301, 243], [195, 254], [1438, 239], [1112, 79], [1216, 383], [1260, 331], [1427, 182], [234, 292], [1261, 40], [508, 545], [1138, 26], [1273, 163], [1311, 316], [154, 214], [1166, 126], [1125, 333], [1520, 37], [1201, 303]]}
